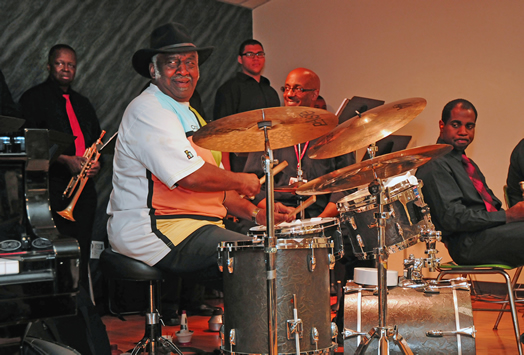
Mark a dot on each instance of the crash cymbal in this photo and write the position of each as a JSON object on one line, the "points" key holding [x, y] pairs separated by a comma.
{"points": [[371, 126], [382, 167], [239, 133]]}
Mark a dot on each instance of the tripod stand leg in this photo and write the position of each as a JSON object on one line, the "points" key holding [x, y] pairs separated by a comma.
{"points": [[366, 340], [401, 342], [383, 342]]}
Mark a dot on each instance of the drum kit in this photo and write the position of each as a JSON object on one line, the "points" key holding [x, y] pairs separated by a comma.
{"points": [[386, 214]]}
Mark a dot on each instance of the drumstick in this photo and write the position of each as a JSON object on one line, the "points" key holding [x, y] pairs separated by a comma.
{"points": [[305, 205], [276, 170]]}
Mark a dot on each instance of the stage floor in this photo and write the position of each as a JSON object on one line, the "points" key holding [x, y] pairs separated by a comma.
{"points": [[488, 341]]}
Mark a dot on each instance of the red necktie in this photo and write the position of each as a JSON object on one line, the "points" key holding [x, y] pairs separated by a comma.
{"points": [[479, 185], [73, 121]]}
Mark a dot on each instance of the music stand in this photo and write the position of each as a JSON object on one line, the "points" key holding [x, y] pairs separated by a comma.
{"points": [[348, 108], [10, 124]]}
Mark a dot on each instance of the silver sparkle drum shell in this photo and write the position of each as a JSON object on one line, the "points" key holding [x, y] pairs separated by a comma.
{"points": [[245, 295], [403, 227], [415, 313]]}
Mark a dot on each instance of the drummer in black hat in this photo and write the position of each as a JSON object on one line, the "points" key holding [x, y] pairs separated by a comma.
{"points": [[169, 195]]}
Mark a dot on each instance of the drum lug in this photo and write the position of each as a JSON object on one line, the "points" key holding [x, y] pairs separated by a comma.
{"points": [[312, 262], [222, 336], [230, 263], [232, 339], [400, 230], [334, 331], [295, 326], [332, 260], [220, 262], [352, 222], [314, 337]]}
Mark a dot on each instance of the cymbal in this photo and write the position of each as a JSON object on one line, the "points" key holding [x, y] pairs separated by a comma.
{"points": [[290, 188], [239, 133], [371, 126], [382, 167]]}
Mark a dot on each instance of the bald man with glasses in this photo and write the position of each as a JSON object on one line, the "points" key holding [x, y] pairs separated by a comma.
{"points": [[301, 88]]}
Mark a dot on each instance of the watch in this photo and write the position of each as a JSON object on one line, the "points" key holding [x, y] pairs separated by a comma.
{"points": [[254, 214]]}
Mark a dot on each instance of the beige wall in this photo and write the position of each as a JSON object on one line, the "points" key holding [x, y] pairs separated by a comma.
{"points": [[392, 50]]}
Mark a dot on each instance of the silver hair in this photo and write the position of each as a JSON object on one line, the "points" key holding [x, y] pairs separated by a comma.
{"points": [[155, 66]]}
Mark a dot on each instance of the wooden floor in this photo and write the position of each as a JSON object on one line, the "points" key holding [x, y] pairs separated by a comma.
{"points": [[488, 341]]}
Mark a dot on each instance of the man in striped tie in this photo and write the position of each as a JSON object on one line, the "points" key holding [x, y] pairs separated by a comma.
{"points": [[474, 227]]}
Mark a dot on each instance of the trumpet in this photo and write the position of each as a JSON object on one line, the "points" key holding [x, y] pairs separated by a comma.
{"points": [[78, 182]]}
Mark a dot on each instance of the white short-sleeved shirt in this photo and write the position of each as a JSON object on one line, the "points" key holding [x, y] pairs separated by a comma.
{"points": [[152, 153]]}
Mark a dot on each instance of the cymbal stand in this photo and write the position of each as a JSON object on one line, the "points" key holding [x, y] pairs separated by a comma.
{"points": [[300, 178], [270, 242], [383, 333]]}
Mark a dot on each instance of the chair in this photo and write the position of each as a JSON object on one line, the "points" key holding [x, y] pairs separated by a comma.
{"points": [[518, 271], [454, 269], [120, 267]]}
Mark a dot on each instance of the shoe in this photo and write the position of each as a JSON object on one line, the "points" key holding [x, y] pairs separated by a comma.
{"points": [[202, 309]]}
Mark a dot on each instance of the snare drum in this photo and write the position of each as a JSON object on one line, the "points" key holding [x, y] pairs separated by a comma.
{"points": [[306, 228], [403, 227], [302, 270]]}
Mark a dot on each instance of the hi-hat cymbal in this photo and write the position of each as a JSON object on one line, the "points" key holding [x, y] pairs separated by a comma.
{"points": [[290, 188], [239, 133], [382, 167], [371, 126]]}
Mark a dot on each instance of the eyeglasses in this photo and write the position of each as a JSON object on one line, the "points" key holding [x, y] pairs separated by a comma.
{"points": [[253, 55], [295, 89]]}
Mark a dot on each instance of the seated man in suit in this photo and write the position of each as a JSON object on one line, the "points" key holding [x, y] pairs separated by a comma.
{"points": [[474, 227]]}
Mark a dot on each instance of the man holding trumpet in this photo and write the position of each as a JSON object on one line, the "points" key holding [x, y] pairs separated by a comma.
{"points": [[54, 105]]}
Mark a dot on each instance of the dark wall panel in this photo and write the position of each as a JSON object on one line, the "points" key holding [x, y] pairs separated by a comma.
{"points": [[105, 34]]}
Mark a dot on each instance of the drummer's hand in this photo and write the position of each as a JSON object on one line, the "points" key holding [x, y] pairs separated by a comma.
{"points": [[281, 214], [250, 185], [515, 213]]}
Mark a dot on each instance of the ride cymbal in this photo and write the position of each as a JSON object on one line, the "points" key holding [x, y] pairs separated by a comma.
{"points": [[371, 126], [240, 133], [382, 167]]}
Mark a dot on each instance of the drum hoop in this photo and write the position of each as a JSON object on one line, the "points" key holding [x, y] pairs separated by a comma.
{"points": [[312, 228], [282, 243], [369, 202]]}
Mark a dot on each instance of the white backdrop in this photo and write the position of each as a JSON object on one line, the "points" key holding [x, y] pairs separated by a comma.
{"points": [[392, 50]]}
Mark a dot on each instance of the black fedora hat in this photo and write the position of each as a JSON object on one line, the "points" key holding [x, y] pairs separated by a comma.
{"points": [[168, 38]]}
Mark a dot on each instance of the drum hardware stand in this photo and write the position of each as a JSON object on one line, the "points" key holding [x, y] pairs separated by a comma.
{"points": [[382, 332], [300, 179], [270, 242]]}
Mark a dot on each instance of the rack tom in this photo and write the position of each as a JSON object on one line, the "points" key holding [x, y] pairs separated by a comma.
{"points": [[406, 221]]}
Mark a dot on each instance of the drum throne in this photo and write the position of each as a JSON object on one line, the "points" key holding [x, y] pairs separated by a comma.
{"points": [[120, 267]]}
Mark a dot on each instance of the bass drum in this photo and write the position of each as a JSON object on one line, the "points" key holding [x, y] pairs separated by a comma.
{"points": [[302, 270], [414, 313]]}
